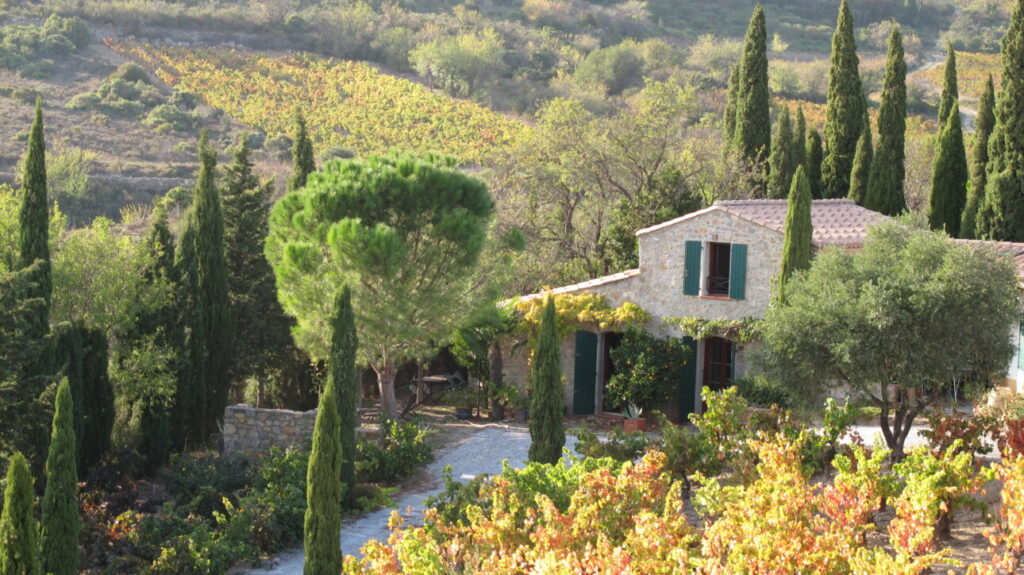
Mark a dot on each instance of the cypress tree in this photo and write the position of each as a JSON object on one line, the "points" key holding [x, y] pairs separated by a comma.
{"points": [[82, 353], [781, 163], [949, 177], [1002, 213], [208, 325], [322, 526], [34, 225], [861, 167], [844, 109], [190, 394], [729, 120], [950, 92], [302, 153], [983, 125], [342, 366], [547, 430], [814, 158], [60, 521], [753, 124], [885, 186], [19, 532], [264, 349], [798, 143], [796, 249]]}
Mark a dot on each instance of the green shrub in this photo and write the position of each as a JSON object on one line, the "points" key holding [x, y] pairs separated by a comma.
{"points": [[132, 73], [614, 68], [405, 449], [759, 390], [188, 475], [173, 116], [618, 445], [649, 369], [276, 504]]}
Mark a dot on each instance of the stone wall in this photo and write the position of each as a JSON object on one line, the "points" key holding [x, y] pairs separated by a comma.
{"points": [[255, 430]]}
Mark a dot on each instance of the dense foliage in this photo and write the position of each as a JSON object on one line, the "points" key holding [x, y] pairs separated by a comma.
{"points": [[648, 369], [547, 408]]}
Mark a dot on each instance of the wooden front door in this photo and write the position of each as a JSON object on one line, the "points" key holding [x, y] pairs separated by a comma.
{"points": [[718, 359]]}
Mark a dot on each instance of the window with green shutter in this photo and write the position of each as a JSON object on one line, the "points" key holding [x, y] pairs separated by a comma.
{"points": [[691, 280]]}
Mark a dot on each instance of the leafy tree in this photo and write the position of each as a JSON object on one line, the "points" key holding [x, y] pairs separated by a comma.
{"points": [[206, 315], [844, 110], [19, 532], [81, 354], [462, 64], [1002, 214], [983, 125], [60, 522], [403, 231], [949, 177], [612, 69], [302, 153], [885, 186], [781, 163], [34, 220], [896, 321], [345, 378], [656, 366], [752, 139], [264, 348], [861, 168], [796, 247], [950, 92], [815, 159], [547, 410], [322, 526]]}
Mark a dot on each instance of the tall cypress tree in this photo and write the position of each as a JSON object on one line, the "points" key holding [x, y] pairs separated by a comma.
{"points": [[796, 248], [547, 430], [753, 124], [781, 163], [861, 167], [19, 532], [950, 92], [34, 224], [814, 159], [206, 312], [983, 125], [302, 153], [60, 521], [1002, 213], [949, 177], [322, 526], [342, 366], [82, 355], [798, 143], [885, 186], [263, 346], [844, 109], [732, 94]]}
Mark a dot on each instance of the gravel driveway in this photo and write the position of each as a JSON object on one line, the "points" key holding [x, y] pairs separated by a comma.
{"points": [[481, 452]]}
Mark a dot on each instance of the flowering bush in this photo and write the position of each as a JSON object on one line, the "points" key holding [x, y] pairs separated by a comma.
{"points": [[649, 369]]}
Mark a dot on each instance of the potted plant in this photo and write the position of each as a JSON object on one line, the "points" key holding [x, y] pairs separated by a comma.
{"points": [[648, 371]]}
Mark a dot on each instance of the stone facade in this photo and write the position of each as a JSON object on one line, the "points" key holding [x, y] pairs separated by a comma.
{"points": [[255, 430], [658, 288]]}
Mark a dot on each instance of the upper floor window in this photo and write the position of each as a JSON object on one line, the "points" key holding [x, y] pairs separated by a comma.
{"points": [[715, 269]]}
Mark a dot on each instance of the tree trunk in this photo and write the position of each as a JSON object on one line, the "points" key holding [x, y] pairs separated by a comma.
{"points": [[386, 384]]}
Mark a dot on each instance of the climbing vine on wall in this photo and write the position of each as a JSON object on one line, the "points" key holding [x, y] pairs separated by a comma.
{"points": [[579, 310], [740, 330]]}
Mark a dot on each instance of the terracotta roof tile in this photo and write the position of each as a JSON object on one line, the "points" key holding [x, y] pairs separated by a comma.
{"points": [[586, 285]]}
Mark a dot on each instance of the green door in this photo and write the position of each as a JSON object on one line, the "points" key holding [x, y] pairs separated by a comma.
{"points": [[584, 378], [688, 386]]}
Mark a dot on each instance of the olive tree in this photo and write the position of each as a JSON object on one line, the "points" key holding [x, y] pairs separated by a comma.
{"points": [[896, 322], [405, 232]]}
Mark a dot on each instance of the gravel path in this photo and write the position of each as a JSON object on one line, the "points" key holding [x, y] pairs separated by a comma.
{"points": [[482, 452]]}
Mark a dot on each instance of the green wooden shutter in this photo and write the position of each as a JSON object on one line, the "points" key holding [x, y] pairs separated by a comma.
{"points": [[1020, 342], [738, 272], [584, 377], [688, 386], [691, 282]]}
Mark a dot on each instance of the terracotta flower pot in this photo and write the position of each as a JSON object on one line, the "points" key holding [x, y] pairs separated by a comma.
{"points": [[631, 425]]}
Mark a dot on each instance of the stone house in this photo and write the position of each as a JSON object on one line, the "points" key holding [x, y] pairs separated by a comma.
{"points": [[717, 264]]}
